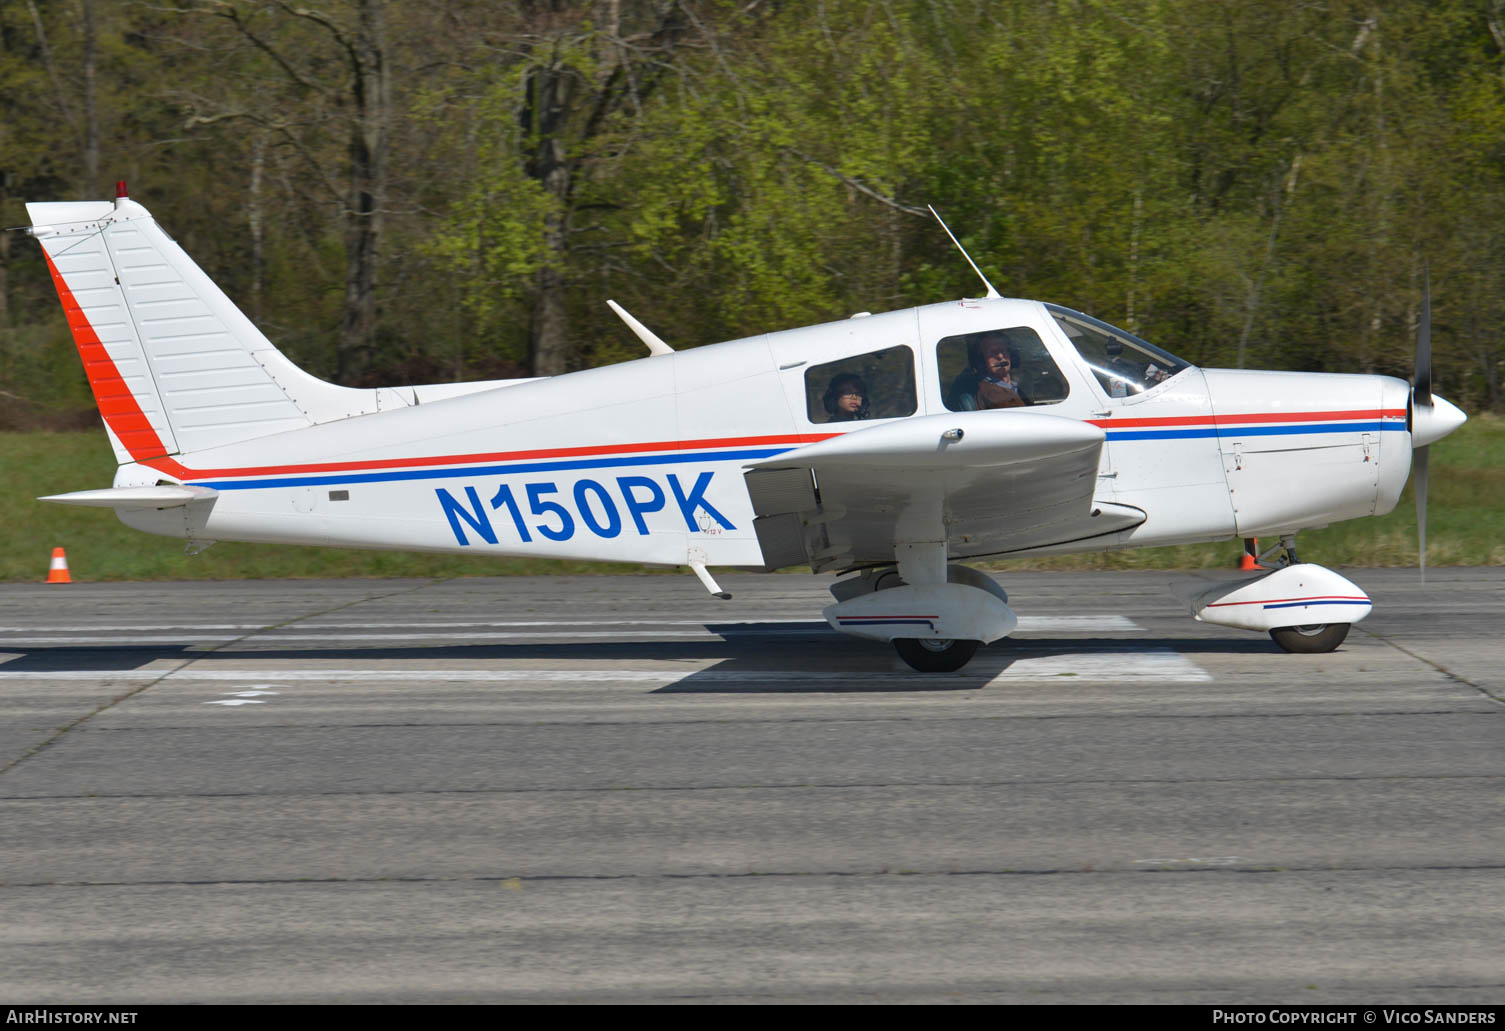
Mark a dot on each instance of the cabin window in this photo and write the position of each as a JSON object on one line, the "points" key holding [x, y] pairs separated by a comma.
{"points": [[1123, 364], [876, 385], [998, 368]]}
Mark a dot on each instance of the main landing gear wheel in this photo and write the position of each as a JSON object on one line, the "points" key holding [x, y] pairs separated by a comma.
{"points": [[1310, 640], [933, 655]]}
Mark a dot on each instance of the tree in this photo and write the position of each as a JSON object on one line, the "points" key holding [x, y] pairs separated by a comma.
{"points": [[328, 74]]}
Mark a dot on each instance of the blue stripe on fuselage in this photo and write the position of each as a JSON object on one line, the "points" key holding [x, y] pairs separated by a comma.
{"points": [[388, 476], [1256, 431], [1323, 601]]}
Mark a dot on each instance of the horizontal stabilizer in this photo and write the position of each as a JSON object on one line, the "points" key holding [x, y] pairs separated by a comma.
{"points": [[164, 496]]}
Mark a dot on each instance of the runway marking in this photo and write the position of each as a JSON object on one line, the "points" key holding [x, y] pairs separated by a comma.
{"points": [[1155, 665], [1195, 861], [725, 629], [320, 638]]}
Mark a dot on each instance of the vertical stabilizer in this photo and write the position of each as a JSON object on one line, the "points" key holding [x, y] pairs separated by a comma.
{"points": [[174, 364]]}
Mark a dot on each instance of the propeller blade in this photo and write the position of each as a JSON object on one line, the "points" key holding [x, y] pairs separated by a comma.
{"points": [[1419, 483], [1421, 392]]}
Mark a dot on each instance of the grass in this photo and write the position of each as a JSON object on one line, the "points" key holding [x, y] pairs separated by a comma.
{"points": [[1465, 526]]}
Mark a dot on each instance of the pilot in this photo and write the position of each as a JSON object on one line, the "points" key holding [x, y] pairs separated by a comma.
{"points": [[845, 399], [990, 378]]}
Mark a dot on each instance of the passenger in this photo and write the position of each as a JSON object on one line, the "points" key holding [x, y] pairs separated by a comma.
{"points": [[845, 399], [990, 379]]}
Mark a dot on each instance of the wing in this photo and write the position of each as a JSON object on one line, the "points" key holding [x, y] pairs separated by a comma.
{"points": [[986, 482]]}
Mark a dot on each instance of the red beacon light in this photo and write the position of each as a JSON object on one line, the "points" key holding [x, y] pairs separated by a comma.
{"points": [[120, 193]]}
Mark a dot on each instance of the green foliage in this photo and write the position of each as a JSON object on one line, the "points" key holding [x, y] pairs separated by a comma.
{"points": [[1266, 181], [491, 238]]}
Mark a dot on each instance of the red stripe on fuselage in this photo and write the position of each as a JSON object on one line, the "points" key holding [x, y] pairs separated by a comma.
{"points": [[1229, 419], [173, 468], [121, 412]]}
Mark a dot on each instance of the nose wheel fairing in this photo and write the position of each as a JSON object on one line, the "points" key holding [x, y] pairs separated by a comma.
{"points": [[1302, 595]]}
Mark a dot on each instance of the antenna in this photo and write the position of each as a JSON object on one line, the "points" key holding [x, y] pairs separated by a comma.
{"points": [[643, 333], [992, 294]]}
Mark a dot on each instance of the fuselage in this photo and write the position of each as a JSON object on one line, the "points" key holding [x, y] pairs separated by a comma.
{"points": [[644, 461]]}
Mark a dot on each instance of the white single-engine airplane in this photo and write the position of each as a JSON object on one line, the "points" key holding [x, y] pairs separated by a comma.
{"points": [[888, 446]]}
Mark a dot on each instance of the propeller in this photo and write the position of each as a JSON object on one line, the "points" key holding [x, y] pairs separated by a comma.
{"points": [[1428, 418], [1421, 398]]}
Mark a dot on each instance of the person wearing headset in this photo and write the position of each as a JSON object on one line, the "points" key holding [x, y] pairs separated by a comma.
{"points": [[845, 400], [990, 379]]}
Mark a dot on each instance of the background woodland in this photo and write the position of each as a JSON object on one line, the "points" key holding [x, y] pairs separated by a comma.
{"points": [[403, 192]]}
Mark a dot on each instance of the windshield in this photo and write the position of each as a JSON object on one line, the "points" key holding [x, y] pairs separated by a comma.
{"points": [[1124, 364]]}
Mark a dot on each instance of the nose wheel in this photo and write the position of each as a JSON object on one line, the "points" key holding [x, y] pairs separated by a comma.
{"points": [[1310, 640], [935, 655]]}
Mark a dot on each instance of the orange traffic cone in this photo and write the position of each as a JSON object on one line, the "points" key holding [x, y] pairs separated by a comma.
{"points": [[1249, 564], [58, 572]]}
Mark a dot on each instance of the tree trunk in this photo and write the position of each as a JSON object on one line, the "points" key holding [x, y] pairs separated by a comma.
{"points": [[92, 185], [551, 91], [254, 220], [367, 193], [560, 112], [4, 255]]}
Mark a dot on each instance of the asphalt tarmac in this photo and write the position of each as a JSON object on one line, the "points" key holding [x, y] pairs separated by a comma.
{"points": [[620, 789]]}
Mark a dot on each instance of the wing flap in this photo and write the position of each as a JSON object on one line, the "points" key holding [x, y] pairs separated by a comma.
{"points": [[961, 440], [990, 482]]}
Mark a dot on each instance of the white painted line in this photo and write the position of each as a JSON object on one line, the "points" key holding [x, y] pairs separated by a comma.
{"points": [[1105, 623], [325, 638], [1158, 665], [1091, 621], [82, 627], [18, 642], [1195, 861]]}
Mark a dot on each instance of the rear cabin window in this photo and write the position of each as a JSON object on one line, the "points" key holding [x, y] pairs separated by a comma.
{"points": [[998, 368], [876, 385]]}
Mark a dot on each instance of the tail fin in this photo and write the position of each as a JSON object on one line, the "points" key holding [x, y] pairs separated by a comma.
{"points": [[174, 364]]}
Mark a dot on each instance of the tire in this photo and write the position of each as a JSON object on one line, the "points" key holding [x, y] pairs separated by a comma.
{"points": [[1310, 640], [932, 655]]}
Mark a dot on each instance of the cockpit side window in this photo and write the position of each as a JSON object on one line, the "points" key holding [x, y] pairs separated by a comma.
{"points": [[876, 385], [1124, 364], [998, 368]]}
